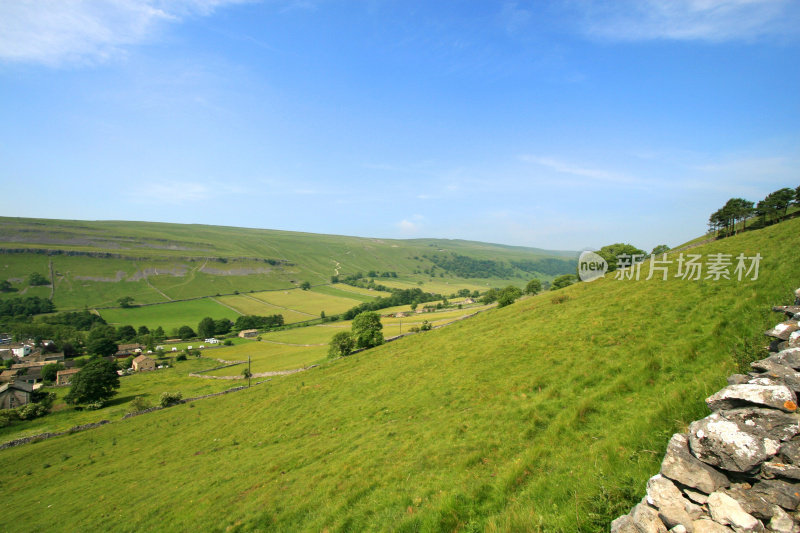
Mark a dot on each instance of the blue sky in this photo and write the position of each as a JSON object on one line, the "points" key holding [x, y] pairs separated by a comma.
{"points": [[559, 125]]}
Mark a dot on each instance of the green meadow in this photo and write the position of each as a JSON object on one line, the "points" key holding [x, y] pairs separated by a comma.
{"points": [[169, 315], [547, 415]]}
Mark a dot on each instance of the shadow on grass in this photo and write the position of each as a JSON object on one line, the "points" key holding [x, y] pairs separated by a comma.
{"points": [[119, 400]]}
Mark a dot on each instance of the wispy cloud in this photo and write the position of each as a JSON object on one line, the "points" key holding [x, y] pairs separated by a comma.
{"points": [[57, 32], [184, 192], [689, 20], [594, 174]]}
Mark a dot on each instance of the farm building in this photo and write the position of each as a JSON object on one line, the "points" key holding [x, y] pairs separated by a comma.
{"points": [[247, 333], [143, 363], [15, 394], [129, 349], [7, 376], [64, 377]]}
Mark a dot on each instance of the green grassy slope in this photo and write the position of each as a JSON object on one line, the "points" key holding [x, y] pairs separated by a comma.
{"points": [[540, 416], [156, 262]]}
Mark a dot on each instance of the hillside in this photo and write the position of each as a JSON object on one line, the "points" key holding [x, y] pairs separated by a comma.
{"points": [[93, 264], [541, 416]]}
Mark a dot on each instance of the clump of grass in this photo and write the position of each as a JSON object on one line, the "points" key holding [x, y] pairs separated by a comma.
{"points": [[559, 298]]}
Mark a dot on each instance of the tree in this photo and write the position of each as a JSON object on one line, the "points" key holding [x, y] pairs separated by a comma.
{"points": [[102, 340], [50, 371], [534, 286], [563, 281], [142, 331], [222, 326], [490, 296], [35, 279], [126, 333], [207, 327], [366, 330], [341, 344], [95, 382], [126, 301], [186, 333], [797, 196], [612, 251], [660, 249], [158, 334], [782, 199], [508, 296], [305, 285], [5, 286]]}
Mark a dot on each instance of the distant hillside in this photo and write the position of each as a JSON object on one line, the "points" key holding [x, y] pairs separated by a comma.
{"points": [[94, 263], [546, 415]]}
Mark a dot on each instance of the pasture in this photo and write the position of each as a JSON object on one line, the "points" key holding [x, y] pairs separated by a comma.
{"points": [[169, 315], [309, 302]]}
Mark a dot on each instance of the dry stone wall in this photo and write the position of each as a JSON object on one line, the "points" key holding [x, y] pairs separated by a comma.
{"points": [[738, 469]]}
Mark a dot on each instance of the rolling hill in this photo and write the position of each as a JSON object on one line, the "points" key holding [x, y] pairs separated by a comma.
{"points": [[93, 264], [546, 415]]}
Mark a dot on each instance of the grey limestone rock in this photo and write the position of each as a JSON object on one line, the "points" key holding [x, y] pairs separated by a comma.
{"points": [[783, 330], [778, 492], [782, 523], [673, 508], [727, 511], [646, 519], [680, 465], [623, 524], [705, 525], [789, 357], [737, 443], [733, 396]]}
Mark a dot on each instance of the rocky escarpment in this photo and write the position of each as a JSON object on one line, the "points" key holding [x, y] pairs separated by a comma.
{"points": [[738, 469]]}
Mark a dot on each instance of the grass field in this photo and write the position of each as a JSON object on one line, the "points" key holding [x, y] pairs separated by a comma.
{"points": [[268, 357], [347, 291], [250, 305], [169, 315], [540, 416], [440, 286], [310, 302], [149, 385]]}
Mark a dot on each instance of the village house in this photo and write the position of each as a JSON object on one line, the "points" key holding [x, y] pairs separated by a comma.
{"points": [[129, 349], [143, 363], [64, 377], [32, 375], [247, 333], [7, 376], [15, 394]]}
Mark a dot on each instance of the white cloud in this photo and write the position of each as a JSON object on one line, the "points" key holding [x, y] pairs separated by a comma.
{"points": [[410, 227], [689, 20], [55, 32]]}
